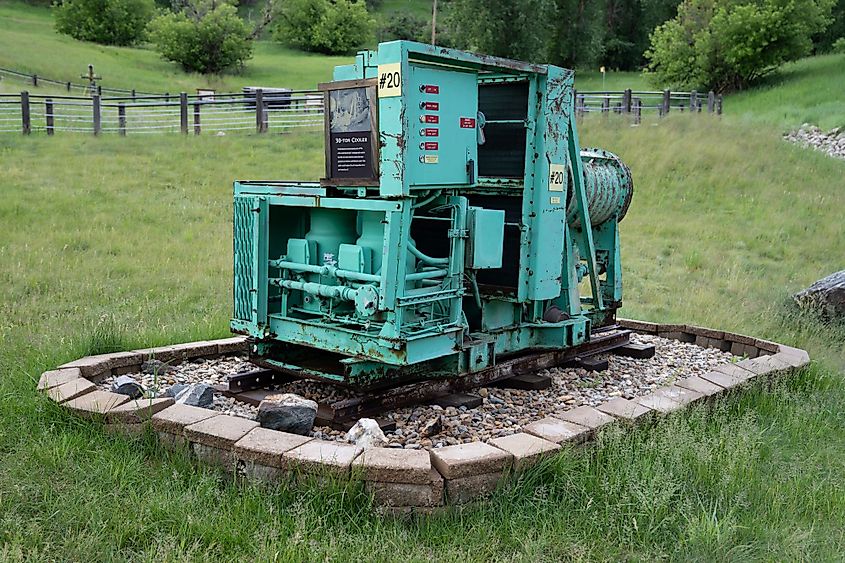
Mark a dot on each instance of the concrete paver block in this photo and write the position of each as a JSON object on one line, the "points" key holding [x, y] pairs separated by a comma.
{"points": [[138, 411], [706, 388], [175, 418], [232, 345], [71, 390], [556, 430], [680, 395], [429, 493], [265, 446], [319, 456], [102, 364], [96, 402], [56, 377], [659, 403], [473, 487], [623, 409], [220, 431], [393, 465], [585, 416], [526, 449], [473, 458]]}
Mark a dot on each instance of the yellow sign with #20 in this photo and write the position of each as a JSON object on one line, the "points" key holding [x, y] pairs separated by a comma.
{"points": [[389, 80]]}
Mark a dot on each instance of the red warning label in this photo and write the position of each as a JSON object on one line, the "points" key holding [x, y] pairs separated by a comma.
{"points": [[431, 106], [431, 118], [431, 89], [467, 123], [430, 132], [430, 146]]}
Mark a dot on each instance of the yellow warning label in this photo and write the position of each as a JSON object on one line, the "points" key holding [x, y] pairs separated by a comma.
{"points": [[431, 159], [389, 80], [555, 200]]}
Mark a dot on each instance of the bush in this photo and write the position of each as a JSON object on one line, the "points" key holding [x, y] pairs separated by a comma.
{"points": [[324, 26], [403, 26], [729, 44], [839, 46], [208, 41], [110, 22]]}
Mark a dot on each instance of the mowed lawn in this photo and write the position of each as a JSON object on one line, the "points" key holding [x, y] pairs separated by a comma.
{"points": [[110, 243]]}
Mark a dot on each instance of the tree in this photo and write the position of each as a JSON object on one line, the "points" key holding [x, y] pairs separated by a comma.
{"points": [[729, 44], [577, 39], [324, 26], [403, 25], [205, 36], [518, 29], [110, 22]]}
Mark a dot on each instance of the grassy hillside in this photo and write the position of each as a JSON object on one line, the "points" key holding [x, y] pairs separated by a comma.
{"points": [[128, 243]]}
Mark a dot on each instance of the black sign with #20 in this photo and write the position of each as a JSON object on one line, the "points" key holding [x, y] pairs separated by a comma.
{"points": [[351, 134]]}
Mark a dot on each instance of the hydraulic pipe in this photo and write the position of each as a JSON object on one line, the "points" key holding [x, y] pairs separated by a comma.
{"points": [[430, 274], [426, 258], [331, 291], [330, 271]]}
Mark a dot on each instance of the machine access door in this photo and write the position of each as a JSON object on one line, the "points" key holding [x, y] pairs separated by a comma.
{"points": [[442, 111]]}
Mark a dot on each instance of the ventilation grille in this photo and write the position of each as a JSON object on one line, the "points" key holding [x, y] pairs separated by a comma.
{"points": [[244, 255]]}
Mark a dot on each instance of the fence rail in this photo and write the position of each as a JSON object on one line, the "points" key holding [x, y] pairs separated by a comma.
{"points": [[222, 113], [635, 102], [262, 111], [35, 81]]}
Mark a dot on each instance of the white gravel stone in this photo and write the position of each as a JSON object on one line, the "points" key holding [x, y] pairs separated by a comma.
{"points": [[831, 142], [503, 411]]}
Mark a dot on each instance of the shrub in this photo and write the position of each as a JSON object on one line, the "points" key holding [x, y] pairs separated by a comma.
{"points": [[206, 41], [403, 26], [729, 44], [839, 46], [324, 26], [110, 22]]}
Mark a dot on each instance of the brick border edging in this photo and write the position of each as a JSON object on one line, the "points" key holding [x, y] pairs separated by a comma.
{"points": [[401, 480]]}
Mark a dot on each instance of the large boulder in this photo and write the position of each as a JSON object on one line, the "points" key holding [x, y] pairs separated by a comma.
{"points": [[125, 385], [826, 296], [199, 395], [366, 434], [287, 412]]}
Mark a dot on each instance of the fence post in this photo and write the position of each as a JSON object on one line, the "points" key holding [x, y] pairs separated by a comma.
{"points": [[638, 110], [259, 110], [26, 125], [664, 108], [48, 113], [693, 100], [711, 101], [68, 86], [183, 112], [99, 90], [95, 106], [133, 94], [626, 100], [197, 126], [605, 106], [35, 80], [581, 102], [121, 119], [719, 105]]}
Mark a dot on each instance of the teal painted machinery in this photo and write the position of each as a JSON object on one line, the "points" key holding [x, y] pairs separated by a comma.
{"points": [[458, 224]]}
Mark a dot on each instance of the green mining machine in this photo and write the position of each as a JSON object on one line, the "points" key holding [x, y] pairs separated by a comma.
{"points": [[459, 224]]}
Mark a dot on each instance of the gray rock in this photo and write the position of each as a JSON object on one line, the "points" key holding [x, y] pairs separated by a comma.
{"points": [[432, 427], [155, 367], [125, 385], [175, 389], [367, 434], [826, 296], [199, 395], [287, 413]]}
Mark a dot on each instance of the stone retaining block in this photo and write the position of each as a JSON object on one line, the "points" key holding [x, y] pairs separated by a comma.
{"points": [[700, 385], [56, 377], [96, 403], [71, 390], [465, 460], [526, 449], [557, 430], [389, 465], [321, 457], [585, 416], [138, 411], [428, 494], [624, 409], [170, 423]]}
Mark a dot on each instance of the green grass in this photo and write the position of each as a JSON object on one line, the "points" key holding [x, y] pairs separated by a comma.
{"points": [[113, 243]]}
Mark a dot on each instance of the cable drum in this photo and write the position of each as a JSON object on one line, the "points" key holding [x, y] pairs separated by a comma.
{"points": [[608, 186]]}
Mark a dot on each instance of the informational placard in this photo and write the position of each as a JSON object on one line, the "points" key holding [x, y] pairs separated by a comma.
{"points": [[351, 133], [390, 80], [557, 175]]}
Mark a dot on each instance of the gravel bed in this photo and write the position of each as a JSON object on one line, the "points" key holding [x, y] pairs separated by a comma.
{"points": [[503, 411]]}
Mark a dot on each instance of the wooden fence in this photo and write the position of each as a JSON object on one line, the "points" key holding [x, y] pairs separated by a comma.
{"points": [[221, 113], [635, 102], [262, 111]]}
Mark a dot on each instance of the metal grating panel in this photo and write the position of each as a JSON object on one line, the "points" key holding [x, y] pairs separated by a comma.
{"points": [[244, 256]]}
